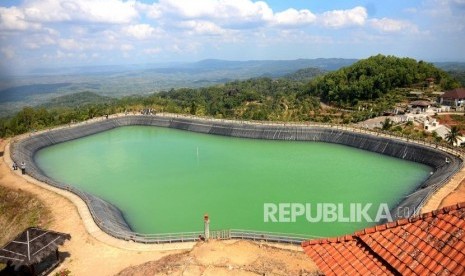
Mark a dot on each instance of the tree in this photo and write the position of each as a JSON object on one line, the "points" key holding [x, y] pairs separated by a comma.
{"points": [[387, 124], [193, 108], [453, 136]]}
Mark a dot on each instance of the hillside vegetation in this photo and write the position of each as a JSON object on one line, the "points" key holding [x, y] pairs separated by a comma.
{"points": [[142, 79], [459, 75], [363, 90], [374, 77], [305, 75], [77, 100]]}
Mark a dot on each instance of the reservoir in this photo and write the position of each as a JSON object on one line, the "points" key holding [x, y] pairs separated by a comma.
{"points": [[164, 180]]}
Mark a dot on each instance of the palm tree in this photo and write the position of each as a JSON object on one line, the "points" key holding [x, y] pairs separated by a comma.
{"points": [[453, 136]]}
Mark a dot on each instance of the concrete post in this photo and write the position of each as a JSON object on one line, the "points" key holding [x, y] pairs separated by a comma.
{"points": [[206, 221]]}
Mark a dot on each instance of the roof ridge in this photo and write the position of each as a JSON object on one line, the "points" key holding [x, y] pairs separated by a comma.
{"points": [[328, 240]]}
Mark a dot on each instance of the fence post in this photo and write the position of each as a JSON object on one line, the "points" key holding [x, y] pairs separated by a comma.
{"points": [[206, 220]]}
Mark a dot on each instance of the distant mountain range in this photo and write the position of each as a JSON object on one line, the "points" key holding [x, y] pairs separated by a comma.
{"points": [[258, 67], [271, 68], [40, 86]]}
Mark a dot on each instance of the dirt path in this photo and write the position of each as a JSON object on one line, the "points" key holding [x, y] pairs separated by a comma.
{"points": [[458, 195], [451, 193]]}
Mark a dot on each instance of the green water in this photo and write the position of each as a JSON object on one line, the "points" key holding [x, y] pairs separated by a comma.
{"points": [[164, 180]]}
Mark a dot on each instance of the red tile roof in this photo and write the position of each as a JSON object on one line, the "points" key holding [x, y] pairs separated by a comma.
{"points": [[458, 93], [429, 244]]}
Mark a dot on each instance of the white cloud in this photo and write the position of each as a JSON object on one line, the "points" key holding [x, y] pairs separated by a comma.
{"points": [[180, 47], [152, 51], [342, 18], [201, 27], [152, 11], [36, 41], [239, 9], [101, 11], [215, 16], [8, 52], [232, 13], [14, 18], [32, 45], [126, 47], [139, 31], [293, 17], [104, 30], [60, 55], [70, 44], [388, 25]]}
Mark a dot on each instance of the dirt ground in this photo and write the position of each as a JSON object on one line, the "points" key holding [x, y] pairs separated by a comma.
{"points": [[86, 255], [451, 193], [229, 258], [458, 195]]}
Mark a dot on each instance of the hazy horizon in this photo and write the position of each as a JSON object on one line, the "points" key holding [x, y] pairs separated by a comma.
{"points": [[55, 70]]}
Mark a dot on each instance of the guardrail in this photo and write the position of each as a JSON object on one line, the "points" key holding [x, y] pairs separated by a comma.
{"points": [[271, 236], [107, 226], [441, 146]]}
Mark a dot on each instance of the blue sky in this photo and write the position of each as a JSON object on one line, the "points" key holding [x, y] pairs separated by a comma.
{"points": [[54, 33]]}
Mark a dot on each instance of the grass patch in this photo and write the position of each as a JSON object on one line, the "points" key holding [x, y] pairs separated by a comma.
{"points": [[19, 210]]}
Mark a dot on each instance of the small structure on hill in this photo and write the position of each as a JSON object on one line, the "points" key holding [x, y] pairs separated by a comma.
{"points": [[430, 125], [453, 98], [33, 252], [420, 106], [430, 82]]}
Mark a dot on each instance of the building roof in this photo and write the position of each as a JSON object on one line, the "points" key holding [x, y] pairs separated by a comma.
{"points": [[32, 246], [458, 93], [420, 103], [429, 244]]}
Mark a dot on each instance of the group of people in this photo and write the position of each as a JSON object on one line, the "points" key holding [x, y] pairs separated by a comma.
{"points": [[23, 167]]}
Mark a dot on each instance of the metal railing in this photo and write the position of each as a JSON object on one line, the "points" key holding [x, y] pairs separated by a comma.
{"points": [[108, 223], [458, 151], [271, 236]]}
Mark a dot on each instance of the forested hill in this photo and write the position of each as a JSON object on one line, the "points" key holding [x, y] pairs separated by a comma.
{"points": [[77, 100], [305, 75], [371, 78], [375, 81]]}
